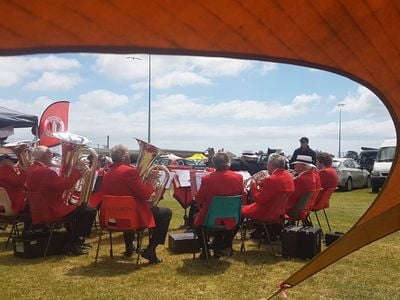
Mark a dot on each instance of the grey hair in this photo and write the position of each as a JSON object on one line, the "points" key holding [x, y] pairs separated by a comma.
{"points": [[39, 152], [118, 152], [277, 160], [221, 161]]}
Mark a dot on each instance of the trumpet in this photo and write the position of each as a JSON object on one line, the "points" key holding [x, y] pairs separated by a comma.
{"points": [[157, 175]]}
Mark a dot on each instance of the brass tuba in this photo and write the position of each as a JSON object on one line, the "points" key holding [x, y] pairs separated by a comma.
{"points": [[23, 151], [147, 155], [74, 149]]}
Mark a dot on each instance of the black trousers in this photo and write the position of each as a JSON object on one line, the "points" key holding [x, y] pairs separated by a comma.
{"points": [[222, 238], [82, 219], [162, 217]]}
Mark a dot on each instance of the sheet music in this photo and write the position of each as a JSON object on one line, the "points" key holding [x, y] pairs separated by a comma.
{"points": [[198, 178], [245, 174], [171, 177], [183, 177]]}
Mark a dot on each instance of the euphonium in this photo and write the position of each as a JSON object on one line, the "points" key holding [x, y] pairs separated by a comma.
{"points": [[257, 178], [23, 151], [74, 149], [147, 154]]}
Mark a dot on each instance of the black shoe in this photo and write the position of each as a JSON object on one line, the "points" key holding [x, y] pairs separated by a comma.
{"points": [[151, 256], [203, 255], [227, 252], [128, 253], [75, 250]]}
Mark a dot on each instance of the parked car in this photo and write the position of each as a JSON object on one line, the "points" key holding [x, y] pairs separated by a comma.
{"points": [[351, 175], [366, 158]]}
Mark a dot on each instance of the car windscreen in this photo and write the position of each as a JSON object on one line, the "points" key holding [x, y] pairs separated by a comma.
{"points": [[336, 164], [386, 154]]}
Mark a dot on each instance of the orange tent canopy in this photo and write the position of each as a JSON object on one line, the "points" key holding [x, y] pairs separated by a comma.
{"points": [[358, 39]]}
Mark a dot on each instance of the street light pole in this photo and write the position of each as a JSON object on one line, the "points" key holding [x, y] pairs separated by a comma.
{"points": [[340, 105], [149, 111], [149, 116]]}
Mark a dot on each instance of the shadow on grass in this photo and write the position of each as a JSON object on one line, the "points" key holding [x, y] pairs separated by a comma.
{"points": [[8, 259], [109, 267], [200, 267]]}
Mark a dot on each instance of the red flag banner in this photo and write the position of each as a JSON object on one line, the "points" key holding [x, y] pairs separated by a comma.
{"points": [[54, 119]]}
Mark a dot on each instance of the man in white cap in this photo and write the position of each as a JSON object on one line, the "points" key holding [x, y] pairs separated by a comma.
{"points": [[304, 182]]}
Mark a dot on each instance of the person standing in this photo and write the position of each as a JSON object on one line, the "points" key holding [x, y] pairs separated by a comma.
{"points": [[304, 149]]}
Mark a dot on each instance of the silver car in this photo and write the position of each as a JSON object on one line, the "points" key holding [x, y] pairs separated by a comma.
{"points": [[350, 174]]}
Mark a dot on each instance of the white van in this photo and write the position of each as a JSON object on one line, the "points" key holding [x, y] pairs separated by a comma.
{"points": [[383, 163]]}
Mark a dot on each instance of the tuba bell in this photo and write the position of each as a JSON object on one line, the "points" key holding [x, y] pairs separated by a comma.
{"points": [[23, 151], [74, 149], [160, 174]]}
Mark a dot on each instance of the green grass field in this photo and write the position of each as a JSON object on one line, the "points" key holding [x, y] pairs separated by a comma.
{"points": [[370, 273]]}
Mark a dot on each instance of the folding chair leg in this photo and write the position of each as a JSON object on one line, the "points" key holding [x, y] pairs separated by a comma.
{"points": [[194, 245], [242, 245], [98, 246], [111, 246], [319, 223], [139, 245], [10, 235], [326, 217], [48, 241], [269, 239], [204, 242]]}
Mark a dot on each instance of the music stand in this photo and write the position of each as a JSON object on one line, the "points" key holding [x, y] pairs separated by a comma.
{"points": [[182, 189]]}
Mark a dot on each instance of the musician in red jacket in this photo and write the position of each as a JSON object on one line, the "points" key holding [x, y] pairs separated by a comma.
{"points": [[271, 190], [40, 178], [222, 182], [123, 180], [328, 175], [12, 178], [303, 182]]}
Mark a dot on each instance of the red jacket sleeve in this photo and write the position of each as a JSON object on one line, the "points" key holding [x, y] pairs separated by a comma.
{"points": [[264, 194], [54, 182]]}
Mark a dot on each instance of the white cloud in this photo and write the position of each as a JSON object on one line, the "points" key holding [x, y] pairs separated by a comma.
{"points": [[53, 81], [216, 66], [169, 71], [179, 79], [268, 67], [102, 99], [14, 69], [364, 101], [179, 105]]}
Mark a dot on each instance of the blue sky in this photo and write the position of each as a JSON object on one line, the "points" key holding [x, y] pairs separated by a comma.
{"points": [[197, 102]]}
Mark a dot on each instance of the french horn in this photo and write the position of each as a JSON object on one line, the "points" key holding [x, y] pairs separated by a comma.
{"points": [[74, 149], [156, 175]]}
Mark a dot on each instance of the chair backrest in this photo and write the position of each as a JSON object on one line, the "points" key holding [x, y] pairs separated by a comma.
{"points": [[223, 207], [322, 201], [300, 205], [276, 209], [38, 207], [313, 199], [5, 203], [119, 213]]}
